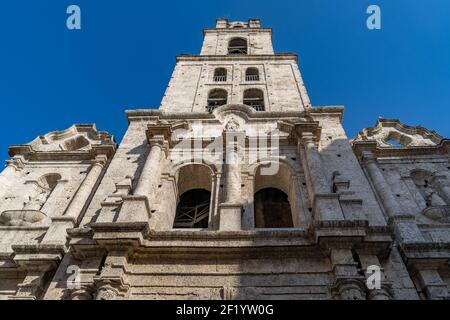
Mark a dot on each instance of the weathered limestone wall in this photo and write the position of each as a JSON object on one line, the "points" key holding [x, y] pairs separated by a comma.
{"points": [[215, 42], [280, 80], [335, 149], [275, 278]]}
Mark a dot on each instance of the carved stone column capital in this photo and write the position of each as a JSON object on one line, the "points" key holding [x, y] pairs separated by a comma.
{"points": [[368, 157], [384, 293], [17, 162], [109, 289], [307, 139], [349, 289], [83, 292]]}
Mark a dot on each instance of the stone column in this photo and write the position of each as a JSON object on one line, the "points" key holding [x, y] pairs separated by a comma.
{"points": [[381, 290], [150, 175], [348, 285], [112, 284], [12, 166], [404, 224], [87, 186], [326, 204], [57, 230], [442, 186], [231, 209], [314, 164]]}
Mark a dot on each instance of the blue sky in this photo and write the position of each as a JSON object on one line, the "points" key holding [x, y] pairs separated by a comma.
{"points": [[123, 56]]}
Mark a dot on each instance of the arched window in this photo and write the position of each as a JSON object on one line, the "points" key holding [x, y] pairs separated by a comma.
{"points": [[237, 46], [46, 184], [252, 74], [220, 74], [277, 201], [194, 185], [193, 209], [272, 209], [216, 98], [254, 98]]}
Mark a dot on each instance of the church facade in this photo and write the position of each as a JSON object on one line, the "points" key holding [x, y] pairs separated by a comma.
{"points": [[236, 187]]}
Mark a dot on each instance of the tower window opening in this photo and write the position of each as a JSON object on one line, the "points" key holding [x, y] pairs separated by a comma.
{"points": [[216, 98], [193, 209], [272, 209], [254, 98], [252, 74], [237, 46], [220, 75]]}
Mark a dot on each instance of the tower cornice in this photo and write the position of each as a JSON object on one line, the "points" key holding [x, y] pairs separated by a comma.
{"points": [[265, 57]]}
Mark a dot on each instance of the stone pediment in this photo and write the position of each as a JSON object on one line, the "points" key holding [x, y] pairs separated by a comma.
{"points": [[393, 133], [78, 138]]}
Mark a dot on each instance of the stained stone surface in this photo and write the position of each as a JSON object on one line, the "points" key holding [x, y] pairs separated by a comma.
{"points": [[84, 218]]}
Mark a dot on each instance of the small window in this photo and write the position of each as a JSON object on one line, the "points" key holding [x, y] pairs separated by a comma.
{"points": [[254, 98], [252, 74], [237, 46], [216, 98], [220, 75]]}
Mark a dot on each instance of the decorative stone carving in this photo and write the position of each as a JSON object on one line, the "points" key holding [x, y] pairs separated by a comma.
{"points": [[106, 291], [438, 213], [232, 125], [349, 289], [386, 130]]}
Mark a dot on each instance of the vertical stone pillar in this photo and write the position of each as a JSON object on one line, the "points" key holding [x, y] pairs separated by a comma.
{"points": [[314, 164], [405, 225], [31, 287], [86, 188], [326, 205], [442, 186], [381, 290], [348, 285], [231, 208], [12, 166], [151, 173], [112, 283], [57, 230]]}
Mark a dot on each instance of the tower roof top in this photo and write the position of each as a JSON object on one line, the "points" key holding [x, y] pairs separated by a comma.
{"points": [[224, 23]]}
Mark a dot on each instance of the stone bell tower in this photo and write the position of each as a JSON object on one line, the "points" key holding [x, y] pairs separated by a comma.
{"points": [[236, 187]]}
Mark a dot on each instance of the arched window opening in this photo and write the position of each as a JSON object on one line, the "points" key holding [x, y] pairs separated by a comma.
{"points": [[220, 75], [216, 98], [272, 209], [49, 181], [194, 184], [254, 98], [237, 46], [46, 184], [277, 199], [193, 209], [252, 74], [395, 139], [394, 143]]}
